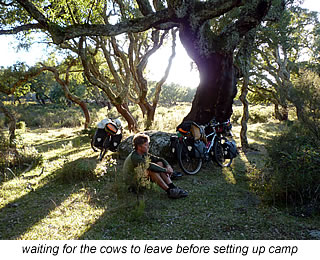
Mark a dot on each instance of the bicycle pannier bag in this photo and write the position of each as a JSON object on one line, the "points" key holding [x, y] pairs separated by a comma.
{"points": [[184, 128], [115, 142], [111, 128], [199, 149], [174, 144], [231, 149], [99, 138]]}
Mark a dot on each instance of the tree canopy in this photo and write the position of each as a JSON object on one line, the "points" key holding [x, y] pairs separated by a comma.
{"points": [[210, 31]]}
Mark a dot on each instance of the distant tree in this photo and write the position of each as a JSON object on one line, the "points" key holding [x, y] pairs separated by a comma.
{"points": [[280, 47], [65, 83], [12, 81], [173, 93], [41, 87], [306, 92]]}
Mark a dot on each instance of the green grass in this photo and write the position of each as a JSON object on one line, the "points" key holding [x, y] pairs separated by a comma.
{"points": [[47, 203]]}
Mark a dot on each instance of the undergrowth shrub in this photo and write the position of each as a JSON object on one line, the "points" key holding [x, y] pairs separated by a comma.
{"points": [[257, 116], [138, 181], [83, 169], [19, 158], [21, 125], [294, 161], [49, 116]]}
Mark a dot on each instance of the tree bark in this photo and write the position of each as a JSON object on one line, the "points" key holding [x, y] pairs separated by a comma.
{"points": [[132, 124], [68, 95], [245, 114], [213, 53], [281, 113], [216, 91]]}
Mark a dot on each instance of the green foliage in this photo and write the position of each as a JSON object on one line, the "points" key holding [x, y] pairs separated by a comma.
{"points": [[49, 116], [276, 58], [258, 117], [173, 93], [9, 76], [21, 125], [306, 98], [294, 177], [16, 159], [82, 169]]}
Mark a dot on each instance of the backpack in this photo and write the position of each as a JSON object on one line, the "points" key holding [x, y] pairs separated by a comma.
{"points": [[199, 149], [230, 149]]}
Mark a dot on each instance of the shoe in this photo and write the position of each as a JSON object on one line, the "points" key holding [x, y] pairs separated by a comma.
{"points": [[177, 193], [176, 175], [183, 193]]}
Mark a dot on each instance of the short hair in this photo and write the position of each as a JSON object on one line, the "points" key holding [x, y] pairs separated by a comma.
{"points": [[140, 139]]}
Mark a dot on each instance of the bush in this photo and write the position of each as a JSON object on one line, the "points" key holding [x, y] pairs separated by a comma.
{"points": [[294, 160], [306, 98], [49, 116], [17, 158], [21, 125], [258, 116], [83, 169]]}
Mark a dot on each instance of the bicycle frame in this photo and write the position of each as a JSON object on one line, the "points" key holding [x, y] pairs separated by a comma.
{"points": [[214, 149]]}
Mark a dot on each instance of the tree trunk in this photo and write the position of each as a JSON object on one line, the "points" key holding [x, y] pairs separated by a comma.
{"points": [[142, 108], [64, 84], [216, 91], [11, 124], [281, 113], [245, 114], [150, 117], [132, 123], [82, 105]]}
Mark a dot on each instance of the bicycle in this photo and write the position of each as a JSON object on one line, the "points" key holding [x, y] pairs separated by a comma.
{"points": [[214, 146]]}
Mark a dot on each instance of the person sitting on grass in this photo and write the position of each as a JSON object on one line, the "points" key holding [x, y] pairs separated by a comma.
{"points": [[159, 169]]}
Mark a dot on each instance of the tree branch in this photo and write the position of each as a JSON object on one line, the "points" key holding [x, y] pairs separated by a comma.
{"points": [[251, 15], [21, 28], [60, 34]]}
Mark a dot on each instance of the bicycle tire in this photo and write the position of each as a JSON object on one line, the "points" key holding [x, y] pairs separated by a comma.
{"points": [[219, 153], [187, 163]]}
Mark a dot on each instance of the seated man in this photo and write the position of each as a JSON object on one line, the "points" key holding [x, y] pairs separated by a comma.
{"points": [[159, 169]]}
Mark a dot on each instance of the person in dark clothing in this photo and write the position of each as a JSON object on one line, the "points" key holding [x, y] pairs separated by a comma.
{"points": [[159, 169]]}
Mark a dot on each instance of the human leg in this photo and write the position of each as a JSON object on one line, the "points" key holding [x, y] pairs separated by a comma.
{"points": [[157, 178]]}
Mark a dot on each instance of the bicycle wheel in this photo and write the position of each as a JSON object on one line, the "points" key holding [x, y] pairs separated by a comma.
{"points": [[220, 153], [188, 163]]}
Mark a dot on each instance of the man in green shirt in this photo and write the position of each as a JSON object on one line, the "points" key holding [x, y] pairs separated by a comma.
{"points": [[159, 169]]}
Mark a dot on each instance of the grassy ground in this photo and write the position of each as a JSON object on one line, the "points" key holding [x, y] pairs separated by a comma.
{"points": [[43, 203]]}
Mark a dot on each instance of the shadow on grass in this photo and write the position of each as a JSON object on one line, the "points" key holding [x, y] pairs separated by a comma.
{"points": [[20, 215], [211, 209], [216, 208], [76, 141]]}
